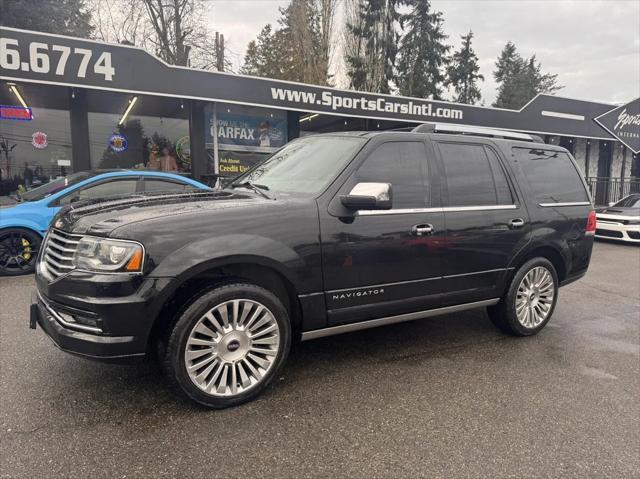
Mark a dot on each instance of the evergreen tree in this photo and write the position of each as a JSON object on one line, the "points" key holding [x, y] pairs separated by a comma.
{"points": [[298, 50], [463, 74], [66, 17], [423, 53], [520, 79], [370, 66]]}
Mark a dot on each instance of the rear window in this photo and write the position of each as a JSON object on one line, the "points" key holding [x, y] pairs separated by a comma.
{"points": [[552, 176]]}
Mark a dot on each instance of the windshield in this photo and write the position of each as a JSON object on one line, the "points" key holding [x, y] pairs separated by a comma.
{"points": [[306, 165], [632, 201], [54, 186]]}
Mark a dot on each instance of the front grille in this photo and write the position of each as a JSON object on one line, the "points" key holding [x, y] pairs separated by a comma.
{"points": [[58, 252], [609, 233]]}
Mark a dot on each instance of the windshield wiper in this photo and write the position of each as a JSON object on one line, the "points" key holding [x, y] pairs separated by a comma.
{"points": [[253, 187]]}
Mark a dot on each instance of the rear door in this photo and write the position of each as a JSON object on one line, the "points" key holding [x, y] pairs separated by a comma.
{"points": [[375, 263], [486, 223]]}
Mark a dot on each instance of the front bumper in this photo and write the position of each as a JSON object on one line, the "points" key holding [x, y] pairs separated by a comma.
{"points": [[618, 231], [86, 344], [97, 317]]}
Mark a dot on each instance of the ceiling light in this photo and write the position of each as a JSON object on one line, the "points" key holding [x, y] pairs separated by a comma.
{"points": [[126, 112]]}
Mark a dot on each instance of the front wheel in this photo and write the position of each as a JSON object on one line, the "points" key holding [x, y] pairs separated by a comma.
{"points": [[18, 251], [529, 303], [228, 345]]}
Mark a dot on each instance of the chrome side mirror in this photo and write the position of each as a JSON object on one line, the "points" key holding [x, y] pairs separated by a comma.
{"points": [[369, 196]]}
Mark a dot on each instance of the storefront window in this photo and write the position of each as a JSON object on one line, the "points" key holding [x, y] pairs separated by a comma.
{"points": [[244, 136], [35, 150], [140, 139]]}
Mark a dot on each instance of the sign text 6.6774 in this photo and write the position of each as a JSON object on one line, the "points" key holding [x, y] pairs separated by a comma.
{"points": [[39, 59]]}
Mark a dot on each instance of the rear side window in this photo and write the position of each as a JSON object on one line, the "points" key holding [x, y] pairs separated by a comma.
{"points": [[551, 175], [404, 165], [474, 175]]}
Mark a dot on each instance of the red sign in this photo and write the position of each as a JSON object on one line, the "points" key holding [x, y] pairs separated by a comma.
{"points": [[39, 140], [15, 113]]}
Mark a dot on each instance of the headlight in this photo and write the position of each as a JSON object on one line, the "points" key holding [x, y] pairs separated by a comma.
{"points": [[97, 254]]}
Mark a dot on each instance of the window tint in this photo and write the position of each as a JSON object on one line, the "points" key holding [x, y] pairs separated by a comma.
{"points": [[102, 190], [503, 191], [404, 165], [631, 201], [473, 180], [164, 185], [551, 175]]}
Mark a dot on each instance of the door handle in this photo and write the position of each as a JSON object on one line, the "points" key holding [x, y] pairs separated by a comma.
{"points": [[516, 223], [421, 230]]}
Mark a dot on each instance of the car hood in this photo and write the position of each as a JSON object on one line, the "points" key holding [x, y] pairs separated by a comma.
{"points": [[617, 211], [104, 217]]}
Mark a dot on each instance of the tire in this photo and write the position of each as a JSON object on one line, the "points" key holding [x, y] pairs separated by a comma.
{"points": [[220, 364], [530, 300], [18, 251]]}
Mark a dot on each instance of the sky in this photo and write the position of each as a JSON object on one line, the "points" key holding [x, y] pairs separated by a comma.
{"points": [[593, 45]]}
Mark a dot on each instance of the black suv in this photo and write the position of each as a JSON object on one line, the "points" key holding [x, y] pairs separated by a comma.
{"points": [[333, 233]]}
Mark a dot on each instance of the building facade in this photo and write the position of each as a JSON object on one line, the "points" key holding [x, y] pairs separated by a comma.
{"points": [[71, 104]]}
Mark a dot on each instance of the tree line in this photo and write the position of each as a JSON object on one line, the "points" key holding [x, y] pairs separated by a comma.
{"points": [[387, 46]]}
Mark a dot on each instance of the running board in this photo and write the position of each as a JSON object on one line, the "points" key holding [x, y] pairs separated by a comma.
{"points": [[374, 323]]}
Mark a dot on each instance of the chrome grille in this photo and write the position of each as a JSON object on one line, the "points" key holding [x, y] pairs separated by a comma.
{"points": [[58, 252]]}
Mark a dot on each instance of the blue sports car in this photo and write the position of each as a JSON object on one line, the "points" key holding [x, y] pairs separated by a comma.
{"points": [[23, 225]]}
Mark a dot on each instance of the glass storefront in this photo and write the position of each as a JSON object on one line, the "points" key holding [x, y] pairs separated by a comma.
{"points": [[152, 133], [243, 136], [34, 151]]}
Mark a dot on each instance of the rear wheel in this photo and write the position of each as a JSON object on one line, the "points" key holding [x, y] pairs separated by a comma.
{"points": [[228, 345], [18, 251], [529, 303]]}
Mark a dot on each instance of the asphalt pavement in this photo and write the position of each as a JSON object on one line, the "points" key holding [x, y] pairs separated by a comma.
{"points": [[441, 397]]}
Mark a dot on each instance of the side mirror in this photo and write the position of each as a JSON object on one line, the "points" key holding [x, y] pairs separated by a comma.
{"points": [[369, 196]]}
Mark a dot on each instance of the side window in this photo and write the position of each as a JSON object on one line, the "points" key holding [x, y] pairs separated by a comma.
{"points": [[503, 191], [102, 190], [473, 177], [157, 184], [404, 165], [551, 175]]}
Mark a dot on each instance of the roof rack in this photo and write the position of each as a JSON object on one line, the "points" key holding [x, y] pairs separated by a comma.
{"points": [[471, 130]]}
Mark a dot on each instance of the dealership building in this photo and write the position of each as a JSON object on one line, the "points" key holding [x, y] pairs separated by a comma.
{"points": [[69, 104]]}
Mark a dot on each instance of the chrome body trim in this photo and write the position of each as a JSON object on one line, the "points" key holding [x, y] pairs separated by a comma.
{"points": [[444, 209], [63, 322], [386, 285], [373, 323], [568, 203]]}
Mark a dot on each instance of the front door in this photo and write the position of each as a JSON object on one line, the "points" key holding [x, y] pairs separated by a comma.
{"points": [[486, 224], [379, 263]]}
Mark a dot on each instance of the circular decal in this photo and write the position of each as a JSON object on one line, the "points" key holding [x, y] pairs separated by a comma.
{"points": [[39, 140], [118, 143], [183, 148]]}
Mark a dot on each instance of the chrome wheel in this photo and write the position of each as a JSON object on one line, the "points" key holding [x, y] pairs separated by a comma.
{"points": [[535, 297], [231, 347]]}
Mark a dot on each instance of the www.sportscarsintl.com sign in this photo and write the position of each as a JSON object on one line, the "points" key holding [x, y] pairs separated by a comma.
{"points": [[35, 57]]}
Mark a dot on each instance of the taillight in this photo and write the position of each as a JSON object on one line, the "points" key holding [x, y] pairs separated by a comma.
{"points": [[591, 223]]}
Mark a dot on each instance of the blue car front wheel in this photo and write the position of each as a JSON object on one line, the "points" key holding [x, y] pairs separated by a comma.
{"points": [[18, 251]]}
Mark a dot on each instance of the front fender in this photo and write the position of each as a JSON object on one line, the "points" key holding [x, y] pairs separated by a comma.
{"points": [[21, 223], [202, 255]]}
